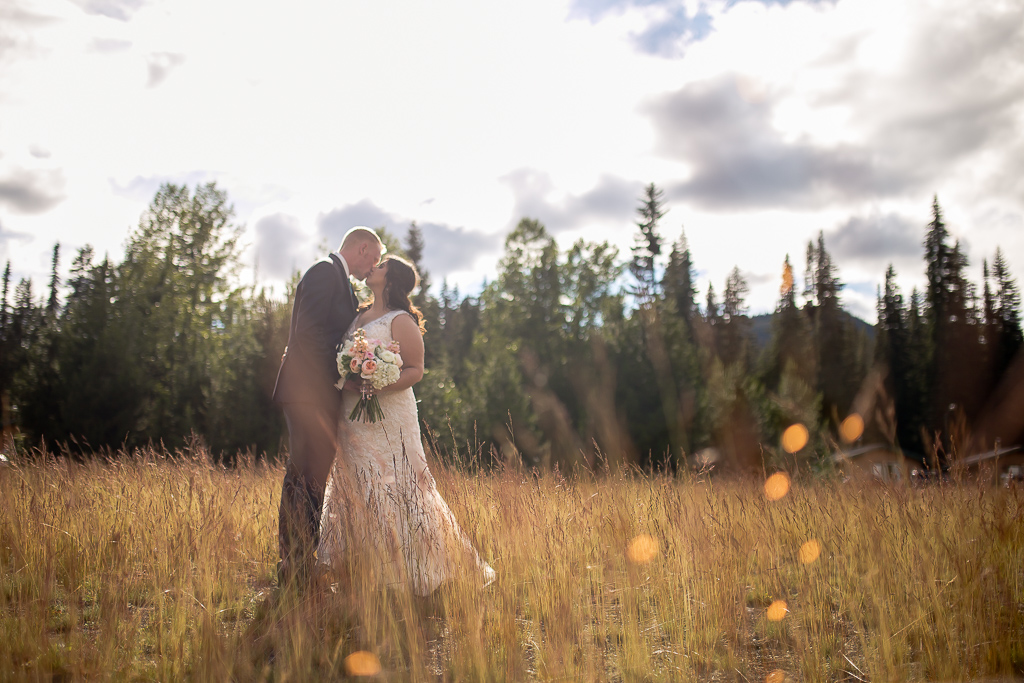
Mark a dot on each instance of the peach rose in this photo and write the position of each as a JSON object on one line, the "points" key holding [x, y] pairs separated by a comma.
{"points": [[353, 365], [369, 366]]}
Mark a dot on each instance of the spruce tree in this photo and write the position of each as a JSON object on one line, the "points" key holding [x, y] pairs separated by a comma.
{"points": [[791, 342], [648, 242], [3, 300], [422, 299], [835, 347], [414, 250], [1007, 314], [954, 370], [52, 303], [6, 352], [937, 257], [733, 336], [678, 281]]}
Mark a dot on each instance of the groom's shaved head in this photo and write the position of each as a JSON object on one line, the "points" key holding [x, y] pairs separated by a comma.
{"points": [[361, 248], [361, 235]]}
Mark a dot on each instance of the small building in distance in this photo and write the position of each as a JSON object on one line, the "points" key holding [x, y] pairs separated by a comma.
{"points": [[999, 467], [875, 462]]}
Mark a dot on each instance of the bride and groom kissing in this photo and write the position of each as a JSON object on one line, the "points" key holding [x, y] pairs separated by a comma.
{"points": [[360, 490]]}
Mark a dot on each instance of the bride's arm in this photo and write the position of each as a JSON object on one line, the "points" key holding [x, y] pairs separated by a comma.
{"points": [[407, 334]]}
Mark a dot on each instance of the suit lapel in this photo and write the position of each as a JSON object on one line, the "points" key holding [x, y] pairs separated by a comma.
{"points": [[341, 271]]}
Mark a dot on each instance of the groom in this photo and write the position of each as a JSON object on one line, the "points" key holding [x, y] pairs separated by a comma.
{"points": [[325, 305]]}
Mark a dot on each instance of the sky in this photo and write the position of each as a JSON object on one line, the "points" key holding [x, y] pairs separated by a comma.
{"points": [[765, 122]]}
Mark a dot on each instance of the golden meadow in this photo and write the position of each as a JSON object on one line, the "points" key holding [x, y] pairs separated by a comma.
{"points": [[158, 566]]}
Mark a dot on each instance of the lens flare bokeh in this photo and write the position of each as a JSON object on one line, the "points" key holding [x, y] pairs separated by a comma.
{"points": [[362, 663], [777, 611], [642, 549], [777, 486], [809, 552], [852, 428], [794, 438]]}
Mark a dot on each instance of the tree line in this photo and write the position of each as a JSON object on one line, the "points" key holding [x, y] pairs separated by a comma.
{"points": [[568, 356]]}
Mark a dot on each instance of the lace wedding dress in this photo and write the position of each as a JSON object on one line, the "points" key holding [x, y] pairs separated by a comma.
{"points": [[381, 502]]}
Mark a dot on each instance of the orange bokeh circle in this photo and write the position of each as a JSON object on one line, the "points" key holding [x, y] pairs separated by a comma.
{"points": [[777, 486], [794, 438], [642, 549], [362, 663]]}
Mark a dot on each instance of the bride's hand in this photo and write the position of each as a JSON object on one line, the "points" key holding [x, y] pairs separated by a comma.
{"points": [[352, 385]]}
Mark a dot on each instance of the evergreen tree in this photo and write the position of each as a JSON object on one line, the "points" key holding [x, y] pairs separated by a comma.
{"points": [[678, 281], [788, 370], [422, 299], [414, 251], [954, 368], [791, 343], [894, 348], [835, 343], [1006, 313], [648, 242], [712, 321], [521, 317], [733, 334], [100, 392], [39, 394], [6, 351], [937, 259], [174, 280], [52, 303]]}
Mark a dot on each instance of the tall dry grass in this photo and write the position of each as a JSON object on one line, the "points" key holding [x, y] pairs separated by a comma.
{"points": [[161, 567]]}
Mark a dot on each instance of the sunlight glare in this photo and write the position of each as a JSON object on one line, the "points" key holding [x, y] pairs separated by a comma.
{"points": [[642, 549], [777, 676], [707, 457], [362, 663], [851, 428], [777, 486], [777, 611], [794, 438], [809, 552]]}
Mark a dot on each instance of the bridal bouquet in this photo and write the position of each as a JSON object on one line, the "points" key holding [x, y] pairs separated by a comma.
{"points": [[374, 365]]}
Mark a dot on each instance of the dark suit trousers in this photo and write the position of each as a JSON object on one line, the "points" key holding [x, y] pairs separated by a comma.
{"points": [[312, 431]]}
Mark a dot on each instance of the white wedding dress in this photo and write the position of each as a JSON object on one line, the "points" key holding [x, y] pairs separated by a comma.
{"points": [[381, 502]]}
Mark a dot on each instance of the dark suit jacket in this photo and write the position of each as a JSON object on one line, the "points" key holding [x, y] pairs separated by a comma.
{"points": [[325, 305]]}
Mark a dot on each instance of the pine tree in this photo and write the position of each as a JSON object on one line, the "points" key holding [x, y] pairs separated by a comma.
{"points": [[894, 350], [648, 242], [3, 300], [835, 346], [414, 250], [733, 336], [52, 303], [791, 343], [1007, 314], [678, 281], [422, 299], [937, 256], [912, 416], [40, 391], [6, 353], [955, 372]]}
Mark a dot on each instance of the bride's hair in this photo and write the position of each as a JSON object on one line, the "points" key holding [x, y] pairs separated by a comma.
{"points": [[400, 279]]}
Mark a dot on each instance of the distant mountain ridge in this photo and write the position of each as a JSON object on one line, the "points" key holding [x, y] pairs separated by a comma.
{"points": [[761, 328]]}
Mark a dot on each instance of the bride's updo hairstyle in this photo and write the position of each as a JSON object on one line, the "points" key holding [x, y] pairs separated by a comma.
{"points": [[400, 279]]}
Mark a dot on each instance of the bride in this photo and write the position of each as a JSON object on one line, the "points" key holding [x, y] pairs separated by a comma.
{"points": [[381, 504]]}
